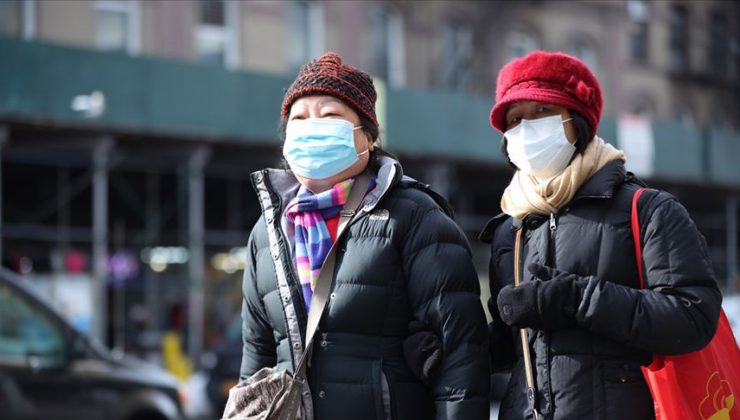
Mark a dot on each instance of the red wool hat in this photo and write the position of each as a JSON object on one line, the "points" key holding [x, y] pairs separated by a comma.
{"points": [[327, 75], [554, 78]]}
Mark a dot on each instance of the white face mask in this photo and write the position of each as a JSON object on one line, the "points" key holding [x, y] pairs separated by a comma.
{"points": [[539, 147]]}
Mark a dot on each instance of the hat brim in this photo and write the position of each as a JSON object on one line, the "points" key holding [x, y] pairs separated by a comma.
{"points": [[497, 117], [319, 90]]}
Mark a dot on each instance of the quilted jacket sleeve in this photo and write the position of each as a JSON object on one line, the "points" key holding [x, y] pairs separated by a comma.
{"points": [[444, 293], [500, 273], [258, 343], [677, 312]]}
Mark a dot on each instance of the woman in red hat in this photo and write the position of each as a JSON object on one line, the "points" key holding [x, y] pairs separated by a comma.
{"points": [[578, 326], [400, 262]]}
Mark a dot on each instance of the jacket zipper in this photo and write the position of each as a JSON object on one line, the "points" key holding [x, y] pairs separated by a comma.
{"points": [[553, 225], [551, 246], [548, 335]]}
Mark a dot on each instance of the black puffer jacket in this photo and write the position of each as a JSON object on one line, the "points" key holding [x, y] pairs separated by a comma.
{"points": [[593, 371], [401, 259]]}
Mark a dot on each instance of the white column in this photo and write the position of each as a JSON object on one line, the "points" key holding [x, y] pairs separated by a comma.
{"points": [[232, 19], [396, 51], [133, 27], [316, 29], [29, 19]]}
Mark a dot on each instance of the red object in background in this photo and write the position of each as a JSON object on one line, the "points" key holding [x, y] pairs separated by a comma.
{"points": [[75, 262], [703, 384], [178, 317]]}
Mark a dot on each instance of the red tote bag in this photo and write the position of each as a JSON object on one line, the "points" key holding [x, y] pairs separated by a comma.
{"points": [[704, 384]]}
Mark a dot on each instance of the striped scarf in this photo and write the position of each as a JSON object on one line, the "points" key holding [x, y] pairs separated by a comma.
{"points": [[307, 213]]}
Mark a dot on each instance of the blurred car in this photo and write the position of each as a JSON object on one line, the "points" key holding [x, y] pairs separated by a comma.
{"points": [[49, 370], [226, 362]]}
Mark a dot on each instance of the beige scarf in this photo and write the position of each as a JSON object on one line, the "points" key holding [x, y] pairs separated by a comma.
{"points": [[526, 194]]}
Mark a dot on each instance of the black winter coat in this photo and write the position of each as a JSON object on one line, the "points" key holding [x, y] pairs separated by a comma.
{"points": [[401, 259], [592, 371]]}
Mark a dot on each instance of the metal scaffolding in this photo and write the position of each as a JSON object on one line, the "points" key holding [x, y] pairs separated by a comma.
{"points": [[101, 153], [3, 140], [196, 268]]}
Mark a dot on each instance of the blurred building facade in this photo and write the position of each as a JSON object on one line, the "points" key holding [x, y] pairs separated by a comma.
{"points": [[128, 128]]}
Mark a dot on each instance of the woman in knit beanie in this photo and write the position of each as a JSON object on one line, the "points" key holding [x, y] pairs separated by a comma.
{"points": [[576, 312], [401, 262]]}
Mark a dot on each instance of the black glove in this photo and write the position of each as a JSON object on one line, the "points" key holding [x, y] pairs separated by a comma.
{"points": [[423, 352], [547, 303]]}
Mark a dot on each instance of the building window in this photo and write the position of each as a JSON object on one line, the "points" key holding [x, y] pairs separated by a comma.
{"points": [[210, 38], [306, 23], [679, 39], [585, 52], [18, 18], [457, 56], [117, 25], [388, 46], [10, 17], [639, 39], [521, 43], [719, 45], [216, 38], [639, 42]]}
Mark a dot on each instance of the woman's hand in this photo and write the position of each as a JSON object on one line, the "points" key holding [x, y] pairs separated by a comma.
{"points": [[547, 303], [423, 352]]}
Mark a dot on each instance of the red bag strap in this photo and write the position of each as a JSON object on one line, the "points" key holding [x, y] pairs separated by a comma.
{"points": [[635, 222]]}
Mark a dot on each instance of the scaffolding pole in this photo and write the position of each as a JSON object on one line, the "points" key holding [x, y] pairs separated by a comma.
{"points": [[3, 139], [101, 153], [731, 246], [196, 230], [151, 238]]}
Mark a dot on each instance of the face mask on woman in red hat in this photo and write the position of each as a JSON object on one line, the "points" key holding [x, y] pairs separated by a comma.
{"points": [[539, 146]]}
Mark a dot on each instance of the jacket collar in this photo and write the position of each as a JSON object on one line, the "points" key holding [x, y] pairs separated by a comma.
{"points": [[604, 183], [486, 235]]}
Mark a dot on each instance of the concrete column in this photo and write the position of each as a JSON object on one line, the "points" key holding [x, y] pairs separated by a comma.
{"points": [[4, 136], [101, 154], [196, 268], [731, 245]]}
